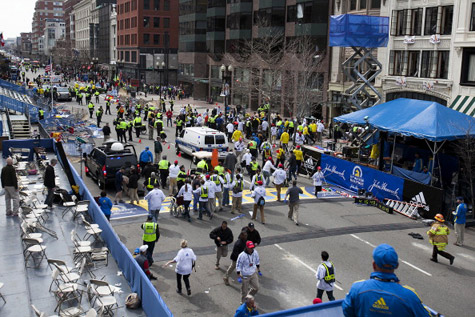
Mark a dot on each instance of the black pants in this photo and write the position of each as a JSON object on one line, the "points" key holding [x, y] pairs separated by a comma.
{"points": [[329, 294], [186, 279], [50, 197], [436, 251], [186, 205], [151, 246], [163, 177]]}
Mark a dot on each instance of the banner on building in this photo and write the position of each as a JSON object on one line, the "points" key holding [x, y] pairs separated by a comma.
{"points": [[353, 177]]}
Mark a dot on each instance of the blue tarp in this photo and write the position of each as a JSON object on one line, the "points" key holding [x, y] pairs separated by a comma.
{"points": [[348, 30], [417, 118], [414, 176]]}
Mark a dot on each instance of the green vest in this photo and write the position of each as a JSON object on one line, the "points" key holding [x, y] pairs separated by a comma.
{"points": [[41, 111], [258, 178], [151, 182], [149, 232], [99, 113], [329, 274], [123, 125], [215, 179], [291, 124], [181, 176], [96, 93], [158, 121], [252, 145], [254, 166], [219, 169], [90, 106], [163, 165], [204, 192], [137, 122], [179, 123]]}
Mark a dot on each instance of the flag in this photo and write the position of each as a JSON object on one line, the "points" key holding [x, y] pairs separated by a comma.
{"points": [[2, 42], [48, 67]]}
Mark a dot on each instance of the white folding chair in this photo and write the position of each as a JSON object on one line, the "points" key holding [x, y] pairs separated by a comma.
{"points": [[92, 230], [70, 206], [35, 250], [81, 208], [107, 303], [26, 232]]}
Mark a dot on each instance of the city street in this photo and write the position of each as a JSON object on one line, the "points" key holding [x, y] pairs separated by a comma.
{"points": [[290, 254]]}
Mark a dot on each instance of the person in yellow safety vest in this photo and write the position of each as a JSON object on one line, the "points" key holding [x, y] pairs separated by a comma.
{"points": [[158, 124], [306, 134], [99, 113], [300, 128], [202, 166], [163, 166], [254, 166], [181, 177], [97, 96], [291, 127], [179, 125], [286, 123], [219, 169], [256, 178], [91, 109], [151, 181], [284, 140], [137, 123], [41, 114], [439, 238], [298, 157], [151, 234], [123, 127], [252, 146]]}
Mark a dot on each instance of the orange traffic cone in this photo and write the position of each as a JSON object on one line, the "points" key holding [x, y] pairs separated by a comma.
{"points": [[140, 140], [179, 154], [168, 146]]}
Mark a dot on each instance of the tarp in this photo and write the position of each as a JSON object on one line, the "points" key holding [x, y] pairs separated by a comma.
{"points": [[417, 118], [415, 176], [349, 30]]}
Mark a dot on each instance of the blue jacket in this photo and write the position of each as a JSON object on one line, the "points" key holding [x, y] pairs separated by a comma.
{"points": [[146, 156], [460, 214], [375, 297], [243, 311], [106, 205]]}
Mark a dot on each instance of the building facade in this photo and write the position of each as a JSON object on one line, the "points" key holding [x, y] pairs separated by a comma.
{"points": [[147, 40], [214, 32], [68, 18], [55, 30], [44, 9], [25, 49], [104, 13], [86, 29]]}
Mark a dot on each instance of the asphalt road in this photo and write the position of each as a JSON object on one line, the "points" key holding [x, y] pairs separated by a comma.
{"points": [[290, 254]]}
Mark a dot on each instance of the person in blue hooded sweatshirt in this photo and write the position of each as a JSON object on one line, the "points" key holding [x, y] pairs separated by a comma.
{"points": [[145, 157], [382, 294]]}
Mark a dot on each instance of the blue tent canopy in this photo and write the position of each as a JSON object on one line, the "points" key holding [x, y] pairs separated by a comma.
{"points": [[417, 118]]}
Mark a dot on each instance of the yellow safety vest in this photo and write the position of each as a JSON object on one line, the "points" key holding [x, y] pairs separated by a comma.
{"points": [[123, 125], [330, 273], [258, 178], [254, 166], [219, 169], [181, 176], [252, 145], [204, 192], [202, 164], [163, 165], [150, 184], [149, 232], [215, 179]]}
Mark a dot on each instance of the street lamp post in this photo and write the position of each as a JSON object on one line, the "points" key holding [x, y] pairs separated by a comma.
{"points": [[226, 73], [160, 66]]}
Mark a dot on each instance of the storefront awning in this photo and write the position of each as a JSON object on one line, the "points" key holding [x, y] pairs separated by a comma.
{"points": [[464, 104]]}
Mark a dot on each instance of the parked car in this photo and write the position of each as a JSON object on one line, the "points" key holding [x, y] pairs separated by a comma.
{"points": [[104, 161], [62, 93]]}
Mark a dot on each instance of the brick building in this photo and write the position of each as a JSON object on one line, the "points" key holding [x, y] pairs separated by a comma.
{"points": [[147, 40], [44, 9]]}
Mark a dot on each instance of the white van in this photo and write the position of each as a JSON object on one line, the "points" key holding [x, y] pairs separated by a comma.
{"points": [[201, 139]]}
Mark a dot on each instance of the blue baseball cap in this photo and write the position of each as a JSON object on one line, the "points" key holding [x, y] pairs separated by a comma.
{"points": [[385, 256]]}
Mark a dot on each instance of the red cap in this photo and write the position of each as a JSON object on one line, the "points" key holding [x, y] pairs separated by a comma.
{"points": [[259, 183], [280, 165], [319, 168], [298, 146], [176, 162], [207, 176], [317, 301], [250, 245], [269, 158]]}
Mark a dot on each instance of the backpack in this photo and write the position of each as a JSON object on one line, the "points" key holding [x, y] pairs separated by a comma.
{"points": [[125, 179], [261, 201]]}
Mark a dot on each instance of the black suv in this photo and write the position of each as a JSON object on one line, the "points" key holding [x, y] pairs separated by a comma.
{"points": [[103, 162]]}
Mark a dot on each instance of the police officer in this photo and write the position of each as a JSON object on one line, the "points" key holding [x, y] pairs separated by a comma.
{"points": [[202, 166], [90, 106], [151, 234], [179, 125], [151, 181], [108, 107], [97, 96], [326, 277], [181, 178], [382, 294], [137, 125], [123, 129], [99, 113], [163, 167], [41, 114]]}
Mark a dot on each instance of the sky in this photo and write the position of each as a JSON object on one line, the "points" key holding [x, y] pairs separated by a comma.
{"points": [[15, 17]]}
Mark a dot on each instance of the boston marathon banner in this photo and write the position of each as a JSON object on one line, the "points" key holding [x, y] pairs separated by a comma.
{"points": [[354, 177]]}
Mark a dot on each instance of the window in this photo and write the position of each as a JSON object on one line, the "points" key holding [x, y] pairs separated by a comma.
{"points": [[166, 5], [156, 39], [146, 4], [375, 4], [146, 22], [209, 139], [127, 56], [156, 22], [430, 26], [468, 66], [397, 61], [127, 23], [146, 38], [413, 64], [134, 57], [362, 4], [127, 6], [156, 5], [134, 39], [446, 20], [166, 23], [442, 64], [426, 63], [121, 55], [472, 20], [416, 22], [127, 39], [401, 22], [352, 5], [134, 5], [292, 13]]}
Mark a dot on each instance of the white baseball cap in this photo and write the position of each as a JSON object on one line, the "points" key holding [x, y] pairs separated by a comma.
{"points": [[143, 248]]}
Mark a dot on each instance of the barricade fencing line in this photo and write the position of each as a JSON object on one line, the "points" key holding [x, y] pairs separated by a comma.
{"points": [[152, 302]]}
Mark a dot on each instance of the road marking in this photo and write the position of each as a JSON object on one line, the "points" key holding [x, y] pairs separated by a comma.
{"points": [[416, 268], [303, 263], [463, 255], [422, 246], [362, 240], [405, 262]]}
